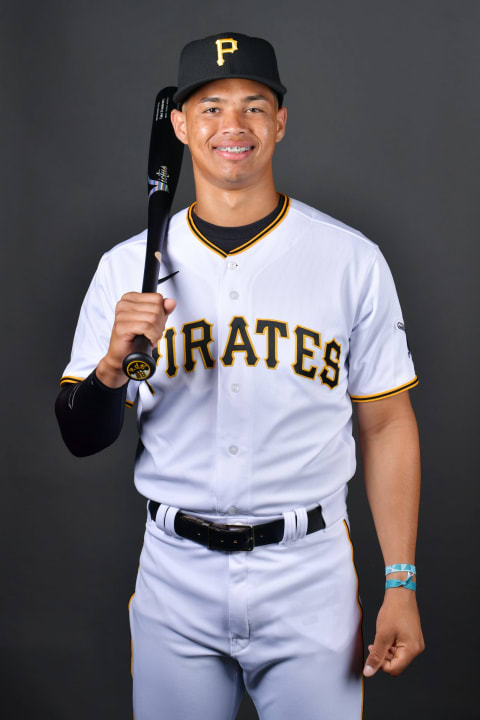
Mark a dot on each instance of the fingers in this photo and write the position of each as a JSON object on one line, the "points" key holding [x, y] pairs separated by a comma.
{"points": [[399, 637], [390, 652], [393, 659], [378, 654], [140, 303], [169, 305], [389, 655], [398, 662], [142, 314], [137, 314], [129, 324]]}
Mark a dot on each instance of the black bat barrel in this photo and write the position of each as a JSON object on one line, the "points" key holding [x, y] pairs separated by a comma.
{"points": [[164, 163]]}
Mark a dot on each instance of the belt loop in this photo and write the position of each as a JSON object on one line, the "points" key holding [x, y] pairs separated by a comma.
{"points": [[160, 516], [165, 519], [296, 525], [302, 522], [290, 527]]}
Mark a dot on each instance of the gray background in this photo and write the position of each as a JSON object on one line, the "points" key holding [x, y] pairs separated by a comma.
{"points": [[383, 133]]}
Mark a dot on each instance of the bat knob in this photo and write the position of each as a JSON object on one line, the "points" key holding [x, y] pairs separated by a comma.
{"points": [[139, 364]]}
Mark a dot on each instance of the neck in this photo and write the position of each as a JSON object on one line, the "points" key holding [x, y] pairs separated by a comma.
{"points": [[232, 208]]}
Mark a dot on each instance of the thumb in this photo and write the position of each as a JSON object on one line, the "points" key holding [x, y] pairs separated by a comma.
{"points": [[169, 305], [377, 654]]}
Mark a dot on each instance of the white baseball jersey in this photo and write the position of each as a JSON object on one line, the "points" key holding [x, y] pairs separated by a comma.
{"points": [[259, 362]]}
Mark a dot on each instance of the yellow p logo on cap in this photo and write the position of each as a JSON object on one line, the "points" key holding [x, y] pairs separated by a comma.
{"points": [[221, 50]]}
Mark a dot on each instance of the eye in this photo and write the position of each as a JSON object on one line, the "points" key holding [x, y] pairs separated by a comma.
{"points": [[254, 109], [211, 110]]}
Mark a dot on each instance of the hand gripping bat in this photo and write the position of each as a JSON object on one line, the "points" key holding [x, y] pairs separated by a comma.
{"points": [[164, 163]]}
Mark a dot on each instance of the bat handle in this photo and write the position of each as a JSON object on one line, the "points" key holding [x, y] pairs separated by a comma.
{"points": [[139, 364]]}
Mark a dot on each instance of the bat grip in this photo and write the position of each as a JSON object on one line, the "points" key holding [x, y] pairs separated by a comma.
{"points": [[139, 364]]}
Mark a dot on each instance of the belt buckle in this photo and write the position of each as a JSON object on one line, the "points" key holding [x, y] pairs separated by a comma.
{"points": [[230, 537]]}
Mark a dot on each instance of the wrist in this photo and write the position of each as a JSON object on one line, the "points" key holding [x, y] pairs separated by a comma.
{"points": [[110, 374], [399, 596], [401, 576]]}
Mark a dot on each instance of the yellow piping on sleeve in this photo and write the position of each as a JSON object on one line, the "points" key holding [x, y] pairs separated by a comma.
{"points": [[388, 393], [70, 379]]}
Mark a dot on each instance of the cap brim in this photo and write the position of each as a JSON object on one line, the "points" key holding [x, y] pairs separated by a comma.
{"points": [[183, 92]]}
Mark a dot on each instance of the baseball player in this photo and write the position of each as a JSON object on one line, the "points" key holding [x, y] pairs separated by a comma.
{"points": [[272, 319]]}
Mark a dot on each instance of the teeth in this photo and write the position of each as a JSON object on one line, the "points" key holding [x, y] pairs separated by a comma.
{"points": [[233, 149]]}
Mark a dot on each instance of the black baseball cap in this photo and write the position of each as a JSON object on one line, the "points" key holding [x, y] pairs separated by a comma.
{"points": [[227, 55]]}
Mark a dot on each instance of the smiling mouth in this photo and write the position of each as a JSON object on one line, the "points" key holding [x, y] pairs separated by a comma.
{"points": [[234, 149]]}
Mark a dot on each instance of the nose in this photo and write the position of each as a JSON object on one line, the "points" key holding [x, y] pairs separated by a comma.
{"points": [[233, 122]]}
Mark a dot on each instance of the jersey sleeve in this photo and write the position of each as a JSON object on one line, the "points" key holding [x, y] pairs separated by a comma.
{"points": [[93, 331], [380, 361]]}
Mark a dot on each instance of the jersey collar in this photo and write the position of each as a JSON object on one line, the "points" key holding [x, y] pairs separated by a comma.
{"points": [[275, 222]]}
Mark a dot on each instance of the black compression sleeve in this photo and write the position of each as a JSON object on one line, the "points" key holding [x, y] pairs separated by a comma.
{"points": [[90, 415]]}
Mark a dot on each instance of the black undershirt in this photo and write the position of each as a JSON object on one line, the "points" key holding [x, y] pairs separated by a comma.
{"points": [[229, 238], [89, 413]]}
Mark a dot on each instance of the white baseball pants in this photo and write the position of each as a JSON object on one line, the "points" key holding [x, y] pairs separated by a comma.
{"points": [[282, 621]]}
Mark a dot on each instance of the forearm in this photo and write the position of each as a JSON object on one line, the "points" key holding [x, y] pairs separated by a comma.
{"points": [[391, 462], [90, 415]]}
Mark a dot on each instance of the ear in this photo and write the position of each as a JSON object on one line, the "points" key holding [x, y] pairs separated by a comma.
{"points": [[179, 125], [281, 123]]}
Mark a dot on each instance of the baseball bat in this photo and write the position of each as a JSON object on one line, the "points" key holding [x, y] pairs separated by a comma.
{"points": [[164, 163]]}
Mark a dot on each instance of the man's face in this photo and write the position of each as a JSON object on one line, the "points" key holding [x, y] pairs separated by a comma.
{"points": [[231, 127]]}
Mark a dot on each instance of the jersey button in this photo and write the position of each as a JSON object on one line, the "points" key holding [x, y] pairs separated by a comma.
{"points": [[234, 295], [232, 510], [235, 387], [232, 265], [233, 449]]}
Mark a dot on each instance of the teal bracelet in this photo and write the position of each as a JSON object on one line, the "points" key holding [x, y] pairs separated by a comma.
{"points": [[411, 570]]}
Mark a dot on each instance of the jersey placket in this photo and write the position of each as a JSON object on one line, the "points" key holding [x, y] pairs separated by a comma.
{"points": [[233, 465], [233, 409]]}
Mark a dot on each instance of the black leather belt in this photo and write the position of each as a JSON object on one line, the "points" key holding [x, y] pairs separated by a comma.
{"points": [[234, 537]]}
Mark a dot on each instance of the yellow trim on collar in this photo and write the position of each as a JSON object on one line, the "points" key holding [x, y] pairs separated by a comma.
{"points": [[281, 216], [387, 393]]}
